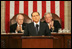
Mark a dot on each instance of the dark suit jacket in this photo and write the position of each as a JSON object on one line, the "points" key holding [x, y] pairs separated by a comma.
{"points": [[31, 31], [14, 26], [56, 26]]}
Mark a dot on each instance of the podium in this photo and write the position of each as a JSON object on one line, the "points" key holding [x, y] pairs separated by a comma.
{"points": [[38, 41], [10, 40]]}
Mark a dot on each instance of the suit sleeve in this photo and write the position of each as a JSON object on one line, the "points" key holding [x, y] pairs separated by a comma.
{"points": [[26, 31], [11, 29], [57, 26], [47, 33]]}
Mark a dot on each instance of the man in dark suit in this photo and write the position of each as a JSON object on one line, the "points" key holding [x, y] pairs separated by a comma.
{"points": [[19, 26], [54, 25], [36, 28]]}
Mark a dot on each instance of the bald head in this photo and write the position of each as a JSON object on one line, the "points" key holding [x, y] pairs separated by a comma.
{"points": [[19, 19], [19, 15]]}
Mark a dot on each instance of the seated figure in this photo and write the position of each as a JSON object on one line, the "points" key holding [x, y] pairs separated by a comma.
{"points": [[19, 26], [54, 25]]}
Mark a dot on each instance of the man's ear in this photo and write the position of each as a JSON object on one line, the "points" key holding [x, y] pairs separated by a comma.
{"points": [[39, 17], [51, 17], [32, 18], [16, 20]]}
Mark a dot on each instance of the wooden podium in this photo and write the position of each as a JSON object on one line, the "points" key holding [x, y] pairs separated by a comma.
{"points": [[12, 40], [37, 41]]}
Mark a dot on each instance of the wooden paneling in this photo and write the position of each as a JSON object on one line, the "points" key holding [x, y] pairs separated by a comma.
{"points": [[68, 41], [4, 42], [37, 43], [14, 40], [59, 42]]}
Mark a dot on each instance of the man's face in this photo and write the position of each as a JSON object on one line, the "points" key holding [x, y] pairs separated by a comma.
{"points": [[35, 17], [20, 19], [48, 18]]}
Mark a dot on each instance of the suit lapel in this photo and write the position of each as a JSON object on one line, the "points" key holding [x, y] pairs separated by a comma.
{"points": [[15, 26], [32, 27], [40, 27]]}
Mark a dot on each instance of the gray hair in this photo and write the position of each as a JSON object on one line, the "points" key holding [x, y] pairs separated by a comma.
{"points": [[18, 15], [47, 13]]}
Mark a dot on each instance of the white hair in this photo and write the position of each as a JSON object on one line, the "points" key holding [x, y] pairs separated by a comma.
{"points": [[18, 15], [47, 13]]}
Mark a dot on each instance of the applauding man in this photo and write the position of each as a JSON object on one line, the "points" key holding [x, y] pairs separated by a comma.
{"points": [[19, 26], [54, 25]]}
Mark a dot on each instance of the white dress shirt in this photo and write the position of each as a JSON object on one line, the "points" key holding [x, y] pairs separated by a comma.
{"points": [[38, 24], [48, 24]]}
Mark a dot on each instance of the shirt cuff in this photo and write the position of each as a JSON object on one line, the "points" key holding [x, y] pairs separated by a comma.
{"points": [[16, 31]]}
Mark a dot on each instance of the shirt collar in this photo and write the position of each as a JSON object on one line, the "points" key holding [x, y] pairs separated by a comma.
{"points": [[47, 23], [36, 23]]}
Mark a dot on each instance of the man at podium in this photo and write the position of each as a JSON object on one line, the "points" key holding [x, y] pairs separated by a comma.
{"points": [[36, 28]]}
